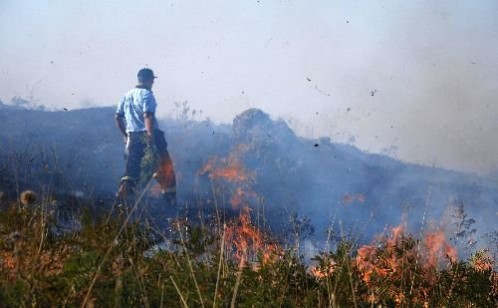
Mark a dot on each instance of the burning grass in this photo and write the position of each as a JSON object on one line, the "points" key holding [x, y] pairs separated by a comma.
{"points": [[110, 260], [237, 264]]}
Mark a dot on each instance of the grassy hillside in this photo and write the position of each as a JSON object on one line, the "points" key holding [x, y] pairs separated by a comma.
{"points": [[264, 218]]}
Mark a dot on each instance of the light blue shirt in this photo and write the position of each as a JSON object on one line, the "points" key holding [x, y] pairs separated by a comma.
{"points": [[133, 105]]}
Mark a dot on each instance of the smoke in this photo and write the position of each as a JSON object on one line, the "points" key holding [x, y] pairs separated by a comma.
{"points": [[314, 188], [418, 76]]}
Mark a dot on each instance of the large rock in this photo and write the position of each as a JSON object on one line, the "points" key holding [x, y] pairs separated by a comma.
{"points": [[255, 127]]}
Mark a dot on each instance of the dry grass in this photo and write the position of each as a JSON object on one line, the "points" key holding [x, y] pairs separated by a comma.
{"points": [[105, 264]]}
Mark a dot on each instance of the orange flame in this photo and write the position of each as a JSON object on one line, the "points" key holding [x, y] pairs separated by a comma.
{"points": [[348, 199], [156, 190], [229, 169], [323, 272], [244, 241], [482, 261], [438, 247], [165, 173], [382, 260]]}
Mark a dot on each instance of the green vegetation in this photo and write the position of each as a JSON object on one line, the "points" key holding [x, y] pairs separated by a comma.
{"points": [[107, 261]]}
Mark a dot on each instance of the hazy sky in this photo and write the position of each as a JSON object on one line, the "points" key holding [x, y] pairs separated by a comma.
{"points": [[415, 79]]}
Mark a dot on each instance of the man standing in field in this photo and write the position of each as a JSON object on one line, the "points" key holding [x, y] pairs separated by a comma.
{"points": [[135, 118]]}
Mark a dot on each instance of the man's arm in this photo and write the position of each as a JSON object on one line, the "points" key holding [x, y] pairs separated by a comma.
{"points": [[149, 107], [149, 126], [121, 126]]}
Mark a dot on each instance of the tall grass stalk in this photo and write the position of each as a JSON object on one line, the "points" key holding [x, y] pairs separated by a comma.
{"points": [[104, 259]]}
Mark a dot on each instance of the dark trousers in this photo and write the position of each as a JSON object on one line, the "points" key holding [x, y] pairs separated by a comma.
{"points": [[162, 171]]}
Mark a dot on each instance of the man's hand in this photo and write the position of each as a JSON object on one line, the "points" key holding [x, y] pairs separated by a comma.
{"points": [[149, 130], [121, 126]]}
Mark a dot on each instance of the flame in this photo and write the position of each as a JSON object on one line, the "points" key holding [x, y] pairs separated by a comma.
{"points": [[230, 169], [437, 247], [370, 262], [324, 271], [397, 233], [348, 199], [482, 261], [391, 257], [156, 190], [240, 198], [397, 257], [166, 173], [244, 241]]}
